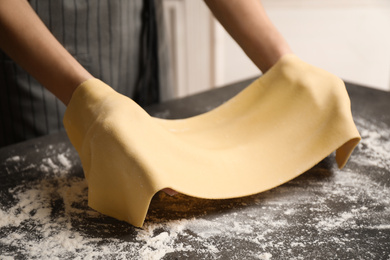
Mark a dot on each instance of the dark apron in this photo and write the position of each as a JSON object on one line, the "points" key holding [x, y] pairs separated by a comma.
{"points": [[112, 39]]}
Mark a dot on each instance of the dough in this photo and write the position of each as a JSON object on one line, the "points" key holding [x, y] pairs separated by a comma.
{"points": [[280, 126]]}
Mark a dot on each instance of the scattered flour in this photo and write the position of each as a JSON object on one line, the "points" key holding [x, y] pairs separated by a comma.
{"points": [[14, 159], [64, 161], [375, 145], [265, 256], [379, 227], [50, 219]]}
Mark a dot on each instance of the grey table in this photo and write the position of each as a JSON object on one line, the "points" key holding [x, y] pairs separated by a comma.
{"points": [[325, 213]]}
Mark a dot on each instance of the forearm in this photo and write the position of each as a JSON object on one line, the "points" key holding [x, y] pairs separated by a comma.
{"points": [[249, 25], [26, 40]]}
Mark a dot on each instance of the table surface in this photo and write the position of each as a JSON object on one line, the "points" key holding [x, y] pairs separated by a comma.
{"points": [[325, 213]]}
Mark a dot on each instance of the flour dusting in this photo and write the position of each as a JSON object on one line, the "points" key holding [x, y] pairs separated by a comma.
{"points": [[375, 144], [342, 212]]}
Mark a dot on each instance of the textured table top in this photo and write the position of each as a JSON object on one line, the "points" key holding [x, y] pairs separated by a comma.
{"points": [[325, 213]]}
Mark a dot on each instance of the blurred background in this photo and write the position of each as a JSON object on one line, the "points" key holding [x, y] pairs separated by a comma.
{"points": [[350, 38]]}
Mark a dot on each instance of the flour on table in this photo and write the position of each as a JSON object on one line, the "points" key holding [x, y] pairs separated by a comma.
{"points": [[14, 159], [64, 161], [324, 208], [375, 144]]}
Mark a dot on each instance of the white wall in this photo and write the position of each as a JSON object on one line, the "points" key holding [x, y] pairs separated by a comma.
{"points": [[350, 38], [188, 29]]}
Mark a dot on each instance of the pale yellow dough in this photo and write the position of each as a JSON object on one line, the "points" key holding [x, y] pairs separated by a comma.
{"points": [[281, 125]]}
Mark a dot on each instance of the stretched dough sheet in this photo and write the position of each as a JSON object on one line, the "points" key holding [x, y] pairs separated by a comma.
{"points": [[277, 128]]}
